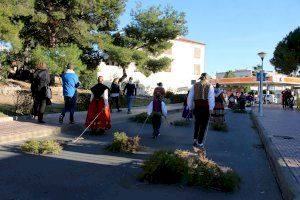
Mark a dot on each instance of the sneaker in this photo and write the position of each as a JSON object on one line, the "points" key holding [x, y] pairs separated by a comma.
{"points": [[119, 110], [41, 122], [72, 122], [195, 144], [129, 112], [61, 119]]}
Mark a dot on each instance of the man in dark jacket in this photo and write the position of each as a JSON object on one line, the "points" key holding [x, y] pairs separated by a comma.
{"points": [[39, 84], [130, 90]]}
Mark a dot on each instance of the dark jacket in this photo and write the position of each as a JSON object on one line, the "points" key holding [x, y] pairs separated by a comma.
{"points": [[131, 89], [98, 90], [39, 82], [115, 88]]}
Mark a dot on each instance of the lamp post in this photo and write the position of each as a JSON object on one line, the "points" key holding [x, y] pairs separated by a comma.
{"points": [[260, 108]]}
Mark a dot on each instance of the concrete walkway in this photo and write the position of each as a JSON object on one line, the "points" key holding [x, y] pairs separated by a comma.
{"points": [[280, 133], [25, 128]]}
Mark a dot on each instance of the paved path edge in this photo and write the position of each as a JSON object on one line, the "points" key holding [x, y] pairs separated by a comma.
{"points": [[287, 182]]}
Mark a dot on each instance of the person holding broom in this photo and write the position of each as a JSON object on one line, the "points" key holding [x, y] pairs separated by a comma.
{"points": [[98, 115], [202, 100]]}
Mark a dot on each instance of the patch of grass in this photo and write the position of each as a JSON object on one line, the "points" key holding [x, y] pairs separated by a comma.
{"points": [[123, 143], [140, 118], [181, 123], [41, 147], [181, 167], [219, 126], [239, 111]]}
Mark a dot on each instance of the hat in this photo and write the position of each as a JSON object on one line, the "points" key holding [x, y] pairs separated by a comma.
{"points": [[159, 84], [203, 75]]}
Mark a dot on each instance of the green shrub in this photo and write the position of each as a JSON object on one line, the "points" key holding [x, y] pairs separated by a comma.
{"points": [[23, 102], [83, 101], [182, 167], [50, 147], [239, 111], [88, 79], [140, 118], [31, 146], [219, 126], [180, 123], [123, 143], [41, 147]]}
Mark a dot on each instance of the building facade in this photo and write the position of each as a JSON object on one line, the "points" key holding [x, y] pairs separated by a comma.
{"points": [[186, 67]]}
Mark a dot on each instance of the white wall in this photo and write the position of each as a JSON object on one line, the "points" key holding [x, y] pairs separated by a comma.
{"points": [[182, 69]]}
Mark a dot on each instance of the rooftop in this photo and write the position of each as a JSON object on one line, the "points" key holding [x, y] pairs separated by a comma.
{"points": [[182, 39]]}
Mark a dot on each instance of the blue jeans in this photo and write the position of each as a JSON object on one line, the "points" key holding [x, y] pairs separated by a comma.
{"points": [[70, 104], [129, 102]]}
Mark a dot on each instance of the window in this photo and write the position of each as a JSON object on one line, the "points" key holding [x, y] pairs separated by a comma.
{"points": [[197, 69], [197, 53]]}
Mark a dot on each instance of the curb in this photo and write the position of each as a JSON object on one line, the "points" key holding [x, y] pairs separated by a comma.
{"points": [[6, 119], [5, 139], [288, 184]]}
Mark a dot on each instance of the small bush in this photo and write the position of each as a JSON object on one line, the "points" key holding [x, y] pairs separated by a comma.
{"points": [[181, 167], [83, 101], [123, 143], [41, 147], [88, 79], [23, 102], [50, 147], [239, 111], [219, 126], [31, 146], [140, 118], [180, 123]]}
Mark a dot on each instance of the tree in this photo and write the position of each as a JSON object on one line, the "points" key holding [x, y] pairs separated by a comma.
{"points": [[286, 57], [229, 74], [145, 39], [59, 31]]}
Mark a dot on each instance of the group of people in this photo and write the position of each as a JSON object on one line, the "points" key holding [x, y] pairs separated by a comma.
{"points": [[287, 99], [239, 101], [203, 99]]}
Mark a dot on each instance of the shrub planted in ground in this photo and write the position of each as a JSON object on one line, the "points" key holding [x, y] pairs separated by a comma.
{"points": [[239, 111], [219, 126], [41, 147], [180, 123], [140, 118], [123, 143], [182, 167]]}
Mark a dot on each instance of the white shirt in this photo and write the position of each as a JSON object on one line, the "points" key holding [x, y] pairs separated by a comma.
{"points": [[211, 98], [164, 109]]}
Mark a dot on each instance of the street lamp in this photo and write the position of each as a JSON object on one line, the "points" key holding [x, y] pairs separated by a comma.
{"points": [[260, 108]]}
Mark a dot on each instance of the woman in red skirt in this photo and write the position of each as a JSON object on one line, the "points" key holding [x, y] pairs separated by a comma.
{"points": [[98, 115]]}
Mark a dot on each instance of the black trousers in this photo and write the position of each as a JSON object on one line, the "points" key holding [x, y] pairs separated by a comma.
{"points": [[201, 121], [39, 106], [156, 123], [116, 100]]}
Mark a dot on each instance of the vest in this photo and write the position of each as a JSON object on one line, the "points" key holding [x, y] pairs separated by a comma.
{"points": [[201, 91], [157, 106]]}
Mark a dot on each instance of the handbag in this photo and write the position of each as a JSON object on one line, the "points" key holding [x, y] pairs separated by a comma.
{"points": [[48, 92]]}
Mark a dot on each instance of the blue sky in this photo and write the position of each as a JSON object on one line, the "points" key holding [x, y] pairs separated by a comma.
{"points": [[234, 31]]}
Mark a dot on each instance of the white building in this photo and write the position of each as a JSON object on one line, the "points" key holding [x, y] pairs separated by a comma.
{"points": [[186, 67]]}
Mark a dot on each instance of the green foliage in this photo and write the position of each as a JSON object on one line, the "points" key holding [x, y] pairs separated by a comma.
{"points": [[31, 146], [4, 70], [219, 126], [140, 118], [180, 123], [286, 57], [239, 111], [49, 147], [41, 147], [23, 102], [88, 79], [230, 74], [123, 143], [181, 167], [83, 101]]}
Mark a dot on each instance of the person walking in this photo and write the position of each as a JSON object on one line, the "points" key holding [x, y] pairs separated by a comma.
{"points": [[157, 108], [115, 93], [130, 91], [186, 113], [202, 99], [242, 101], [70, 84], [218, 113], [40, 86], [98, 115], [159, 92]]}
